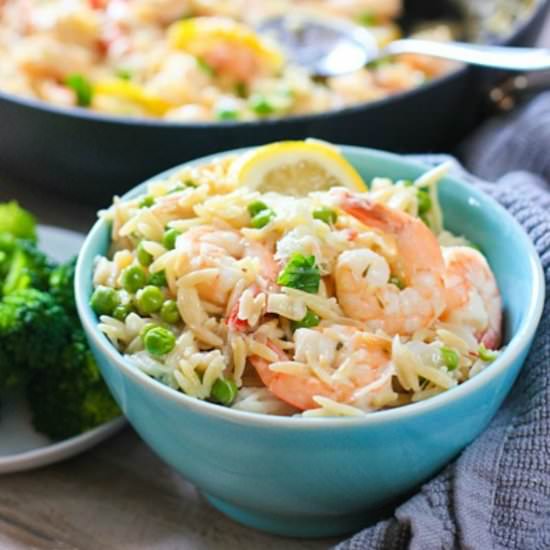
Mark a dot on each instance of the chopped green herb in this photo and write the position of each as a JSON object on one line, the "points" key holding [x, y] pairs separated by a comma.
{"points": [[424, 201], [378, 63], [487, 355], [397, 281], [224, 391], [241, 89], [311, 319], [301, 273], [367, 18], [450, 357], [82, 88], [205, 67], [326, 215], [474, 246], [404, 183]]}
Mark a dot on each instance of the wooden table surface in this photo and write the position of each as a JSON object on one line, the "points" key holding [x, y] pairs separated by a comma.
{"points": [[119, 495]]}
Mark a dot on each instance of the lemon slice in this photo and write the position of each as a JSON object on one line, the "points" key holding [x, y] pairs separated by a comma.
{"points": [[128, 91], [198, 34], [295, 168]]}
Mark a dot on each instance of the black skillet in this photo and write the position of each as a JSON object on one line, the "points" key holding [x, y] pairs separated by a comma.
{"points": [[93, 157]]}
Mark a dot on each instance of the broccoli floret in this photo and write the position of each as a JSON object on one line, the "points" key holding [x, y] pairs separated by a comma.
{"points": [[17, 221], [70, 397], [61, 286], [7, 247], [34, 330], [27, 267]]}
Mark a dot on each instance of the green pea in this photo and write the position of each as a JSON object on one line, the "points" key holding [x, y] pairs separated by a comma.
{"points": [[121, 312], [224, 391], [311, 319], [487, 355], [169, 312], [133, 278], [149, 300], [82, 88], [326, 215], [261, 105], [255, 207], [104, 300], [159, 341], [183, 186], [450, 357], [124, 74], [143, 257], [424, 201], [146, 202], [262, 219], [227, 114], [169, 238], [146, 328], [157, 279]]}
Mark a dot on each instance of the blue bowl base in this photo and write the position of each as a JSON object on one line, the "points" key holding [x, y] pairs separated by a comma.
{"points": [[294, 526]]}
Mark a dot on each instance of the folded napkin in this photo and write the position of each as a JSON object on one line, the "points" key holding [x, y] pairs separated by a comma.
{"points": [[496, 495]]}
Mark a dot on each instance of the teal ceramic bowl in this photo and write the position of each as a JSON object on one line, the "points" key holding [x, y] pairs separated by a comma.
{"points": [[318, 477]]}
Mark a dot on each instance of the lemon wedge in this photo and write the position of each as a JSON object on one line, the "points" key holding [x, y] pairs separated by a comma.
{"points": [[128, 91], [198, 34], [295, 168]]}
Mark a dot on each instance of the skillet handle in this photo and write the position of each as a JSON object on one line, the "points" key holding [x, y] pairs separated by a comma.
{"points": [[497, 57]]}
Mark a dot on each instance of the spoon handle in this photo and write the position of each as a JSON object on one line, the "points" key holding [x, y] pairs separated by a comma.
{"points": [[498, 57]]}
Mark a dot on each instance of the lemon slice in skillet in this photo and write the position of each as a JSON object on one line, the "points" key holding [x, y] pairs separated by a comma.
{"points": [[295, 168], [132, 93]]}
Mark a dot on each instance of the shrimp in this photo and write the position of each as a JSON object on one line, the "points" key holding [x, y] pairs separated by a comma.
{"points": [[473, 298], [362, 366], [206, 246], [234, 61], [362, 276]]}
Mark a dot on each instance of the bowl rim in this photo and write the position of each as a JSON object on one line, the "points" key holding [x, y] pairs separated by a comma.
{"points": [[519, 342]]}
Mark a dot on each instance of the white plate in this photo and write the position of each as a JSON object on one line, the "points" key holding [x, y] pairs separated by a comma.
{"points": [[21, 448]]}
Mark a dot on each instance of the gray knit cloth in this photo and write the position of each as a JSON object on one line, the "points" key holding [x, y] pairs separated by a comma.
{"points": [[496, 495]]}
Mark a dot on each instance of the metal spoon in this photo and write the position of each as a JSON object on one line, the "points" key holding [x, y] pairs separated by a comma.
{"points": [[330, 48]]}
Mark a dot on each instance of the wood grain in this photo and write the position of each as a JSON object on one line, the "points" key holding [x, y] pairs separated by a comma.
{"points": [[119, 496]]}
